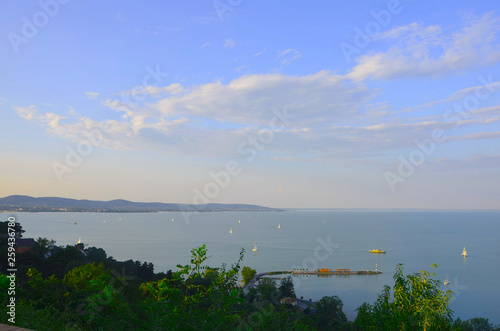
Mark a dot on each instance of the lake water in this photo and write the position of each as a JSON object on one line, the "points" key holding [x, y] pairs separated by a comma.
{"points": [[307, 239]]}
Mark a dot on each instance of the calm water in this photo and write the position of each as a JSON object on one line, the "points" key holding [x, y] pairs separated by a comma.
{"points": [[415, 238]]}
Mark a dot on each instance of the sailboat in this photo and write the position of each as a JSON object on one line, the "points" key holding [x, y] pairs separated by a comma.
{"points": [[447, 281], [172, 219], [279, 226], [79, 240], [231, 230], [254, 247], [464, 253], [239, 221]]}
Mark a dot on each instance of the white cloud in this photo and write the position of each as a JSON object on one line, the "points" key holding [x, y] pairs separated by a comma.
{"points": [[26, 112], [429, 51], [92, 95], [333, 117], [229, 43], [155, 90], [241, 67], [205, 44], [260, 53]]}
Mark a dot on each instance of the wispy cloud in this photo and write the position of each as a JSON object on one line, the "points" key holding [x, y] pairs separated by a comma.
{"points": [[260, 53], [92, 95], [429, 51], [175, 88], [229, 43], [240, 68], [211, 119], [205, 44]]}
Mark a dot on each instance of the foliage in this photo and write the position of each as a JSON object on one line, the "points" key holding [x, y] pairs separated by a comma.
{"points": [[475, 324], [329, 312], [268, 291], [286, 288], [417, 304], [248, 274], [196, 295]]}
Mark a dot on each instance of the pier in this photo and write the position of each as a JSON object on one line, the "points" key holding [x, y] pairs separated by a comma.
{"points": [[318, 272], [336, 272]]}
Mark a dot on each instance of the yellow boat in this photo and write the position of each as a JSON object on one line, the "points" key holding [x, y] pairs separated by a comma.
{"points": [[376, 251]]}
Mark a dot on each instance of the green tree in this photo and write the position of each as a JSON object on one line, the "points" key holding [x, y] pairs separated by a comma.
{"points": [[268, 291], [42, 246], [196, 296], [417, 304], [248, 274], [475, 324], [329, 314], [286, 288]]}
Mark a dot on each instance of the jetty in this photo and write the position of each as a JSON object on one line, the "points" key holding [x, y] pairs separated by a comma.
{"points": [[335, 272], [319, 272]]}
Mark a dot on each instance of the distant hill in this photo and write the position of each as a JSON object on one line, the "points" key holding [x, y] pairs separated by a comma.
{"points": [[31, 204]]}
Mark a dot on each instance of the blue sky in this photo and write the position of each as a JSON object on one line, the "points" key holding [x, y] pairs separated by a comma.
{"points": [[366, 104]]}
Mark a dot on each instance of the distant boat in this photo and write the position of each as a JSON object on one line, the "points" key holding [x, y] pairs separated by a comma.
{"points": [[254, 247], [376, 251], [172, 219], [231, 231], [74, 223], [279, 226], [447, 281], [464, 253], [79, 240], [239, 221]]}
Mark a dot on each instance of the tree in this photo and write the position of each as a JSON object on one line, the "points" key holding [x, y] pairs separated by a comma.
{"points": [[329, 314], [196, 296], [475, 324], [248, 274], [42, 246], [286, 288], [417, 304], [268, 291]]}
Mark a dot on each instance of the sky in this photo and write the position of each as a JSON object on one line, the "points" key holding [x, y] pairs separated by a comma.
{"points": [[318, 104]]}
